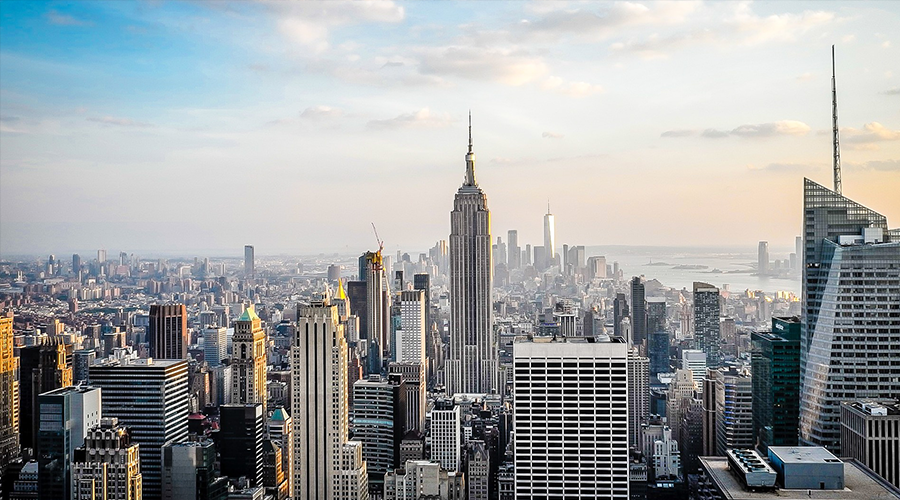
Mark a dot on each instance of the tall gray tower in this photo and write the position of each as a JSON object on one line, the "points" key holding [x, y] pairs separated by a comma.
{"points": [[472, 367]]}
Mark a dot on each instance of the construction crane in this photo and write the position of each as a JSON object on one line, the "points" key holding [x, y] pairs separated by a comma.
{"points": [[378, 258]]}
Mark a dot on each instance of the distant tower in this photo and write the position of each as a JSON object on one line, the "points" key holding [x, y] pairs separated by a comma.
{"points": [[549, 238], [514, 257], [706, 322], [249, 260], [168, 332], [472, 366], [248, 363], [638, 310], [762, 267]]}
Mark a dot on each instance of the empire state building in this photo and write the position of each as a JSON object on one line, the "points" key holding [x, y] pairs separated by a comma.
{"points": [[472, 367]]}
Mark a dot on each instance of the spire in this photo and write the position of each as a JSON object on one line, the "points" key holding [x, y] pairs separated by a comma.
{"points": [[470, 159], [836, 144], [548, 206]]}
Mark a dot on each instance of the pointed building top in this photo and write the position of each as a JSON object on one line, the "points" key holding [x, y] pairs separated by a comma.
{"points": [[249, 314], [470, 159], [341, 294]]}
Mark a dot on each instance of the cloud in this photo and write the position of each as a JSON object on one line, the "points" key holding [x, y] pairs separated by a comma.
{"points": [[424, 118], [551, 135], [678, 133], [867, 137], [893, 91], [656, 46], [878, 165], [784, 127], [321, 113], [55, 17], [805, 77], [886, 44], [121, 122], [309, 23], [786, 167], [508, 66], [572, 89], [714, 134]]}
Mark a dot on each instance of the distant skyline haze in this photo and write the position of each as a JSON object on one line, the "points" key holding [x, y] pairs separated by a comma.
{"points": [[200, 127]]}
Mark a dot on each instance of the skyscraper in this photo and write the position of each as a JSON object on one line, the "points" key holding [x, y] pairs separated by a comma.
{"points": [[248, 362], [638, 394], [66, 415], [107, 466], [377, 309], [379, 423], [514, 257], [43, 368], [168, 331], [734, 410], [326, 464], [657, 336], [549, 239], [150, 397], [706, 322], [241, 441], [410, 342], [472, 366], [638, 311], [215, 345], [582, 451], [775, 360], [762, 264], [446, 435], [620, 311], [249, 260], [849, 322], [9, 395]]}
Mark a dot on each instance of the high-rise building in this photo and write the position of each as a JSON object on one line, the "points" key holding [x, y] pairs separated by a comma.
{"points": [[168, 331], [161, 387], [734, 410], [82, 359], [107, 466], [514, 253], [281, 432], [478, 467], [249, 260], [620, 311], [241, 434], [248, 360], [410, 342], [549, 239], [798, 250], [326, 464], [101, 256], [9, 395], [215, 345], [638, 394], [65, 416], [377, 307], [76, 264], [708, 440], [851, 281], [638, 311], [870, 433], [42, 368], [762, 264], [657, 336], [583, 450], [413, 375], [775, 361], [678, 400], [695, 361], [446, 435], [379, 423], [473, 366], [189, 472], [706, 322]]}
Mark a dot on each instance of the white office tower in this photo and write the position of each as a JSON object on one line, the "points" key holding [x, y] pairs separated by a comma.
{"points": [[326, 464], [161, 387], [849, 321], [549, 238], [695, 361], [215, 345], [571, 419], [420, 479], [734, 410], [413, 375], [446, 435], [472, 367], [410, 341], [662, 450], [638, 394]]}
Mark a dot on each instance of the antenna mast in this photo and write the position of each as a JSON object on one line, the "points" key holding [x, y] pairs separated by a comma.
{"points": [[836, 144]]}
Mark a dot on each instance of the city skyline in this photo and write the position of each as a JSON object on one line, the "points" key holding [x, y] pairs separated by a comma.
{"points": [[274, 99]]}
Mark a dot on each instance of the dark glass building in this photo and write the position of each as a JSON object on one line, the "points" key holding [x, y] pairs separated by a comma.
{"points": [[775, 361], [638, 311], [657, 336], [168, 331], [240, 441], [42, 368]]}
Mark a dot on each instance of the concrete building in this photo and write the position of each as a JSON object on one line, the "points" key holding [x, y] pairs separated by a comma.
{"points": [[421, 479], [327, 465], [379, 423], [168, 332], [870, 433], [162, 388], [582, 448], [695, 361], [478, 471], [734, 410], [413, 375], [638, 394], [249, 261], [248, 360], [107, 466], [446, 435], [215, 345], [410, 342], [9, 395], [65, 416], [188, 472], [473, 365], [848, 316]]}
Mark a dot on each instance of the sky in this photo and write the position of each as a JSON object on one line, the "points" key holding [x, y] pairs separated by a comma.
{"points": [[199, 127]]}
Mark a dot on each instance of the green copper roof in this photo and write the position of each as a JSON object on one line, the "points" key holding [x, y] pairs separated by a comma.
{"points": [[249, 315], [280, 415]]}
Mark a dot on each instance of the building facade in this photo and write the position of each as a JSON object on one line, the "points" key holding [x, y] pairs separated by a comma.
{"points": [[248, 360], [870, 433], [168, 332], [9, 395], [107, 466], [775, 365], [707, 335]]}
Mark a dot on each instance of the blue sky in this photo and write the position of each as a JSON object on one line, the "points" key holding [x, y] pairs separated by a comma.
{"points": [[204, 126]]}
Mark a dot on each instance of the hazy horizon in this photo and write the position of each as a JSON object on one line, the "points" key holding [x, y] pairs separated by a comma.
{"points": [[184, 128]]}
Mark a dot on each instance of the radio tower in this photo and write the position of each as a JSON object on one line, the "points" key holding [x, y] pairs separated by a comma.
{"points": [[836, 144]]}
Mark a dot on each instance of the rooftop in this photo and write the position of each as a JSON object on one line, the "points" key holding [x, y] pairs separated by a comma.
{"points": [[859, 484], [803, 454]]}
